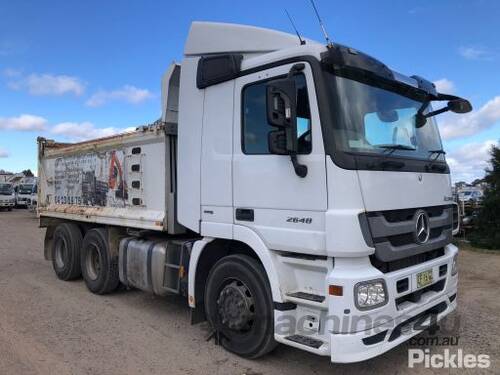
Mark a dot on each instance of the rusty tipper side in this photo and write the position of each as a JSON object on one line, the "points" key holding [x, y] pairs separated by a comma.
{"points": [[119, 180]]}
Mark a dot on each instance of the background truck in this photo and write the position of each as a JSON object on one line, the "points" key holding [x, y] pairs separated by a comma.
{"points": [[293, 192], [23, 194], [7, 196]]}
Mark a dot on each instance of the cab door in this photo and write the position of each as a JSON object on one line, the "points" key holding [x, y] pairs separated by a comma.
{"points": [[286, 211]]}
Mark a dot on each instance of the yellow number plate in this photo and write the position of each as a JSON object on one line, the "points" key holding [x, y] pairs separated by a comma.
{"points": [[424, 278]]}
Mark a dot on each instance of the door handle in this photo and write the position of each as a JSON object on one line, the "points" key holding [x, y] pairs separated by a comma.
{"points": [[244, 214]]}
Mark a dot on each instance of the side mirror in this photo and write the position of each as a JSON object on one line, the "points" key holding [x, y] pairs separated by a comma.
{"points": [[456, 105], [282, 110], [277, 142], [459, 106], [281, 100]]}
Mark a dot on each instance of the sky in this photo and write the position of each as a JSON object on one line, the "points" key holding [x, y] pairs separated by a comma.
{"points": [[73, 70]]}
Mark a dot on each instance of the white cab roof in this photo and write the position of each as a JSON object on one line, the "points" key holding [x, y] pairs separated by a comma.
{"points": [[212, 37]]}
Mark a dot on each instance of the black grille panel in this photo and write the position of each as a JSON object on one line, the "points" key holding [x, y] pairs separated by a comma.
{"points": [[410, 261], [393, 232]]}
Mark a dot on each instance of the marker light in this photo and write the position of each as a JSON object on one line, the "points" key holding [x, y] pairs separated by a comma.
{"points": [[454, 265]]}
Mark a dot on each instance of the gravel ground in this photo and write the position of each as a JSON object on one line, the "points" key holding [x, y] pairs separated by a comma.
{"points": [[52, 327]]}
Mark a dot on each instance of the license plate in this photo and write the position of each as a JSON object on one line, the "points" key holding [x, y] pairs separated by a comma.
{"points": [[424, 278]]}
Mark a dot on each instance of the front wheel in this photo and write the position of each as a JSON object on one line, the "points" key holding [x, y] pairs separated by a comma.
{"points": [[239, 306]]}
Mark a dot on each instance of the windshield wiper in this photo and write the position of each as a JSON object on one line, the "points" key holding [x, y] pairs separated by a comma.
{"points": [[432, 162], [391, 148], [437, 152]]}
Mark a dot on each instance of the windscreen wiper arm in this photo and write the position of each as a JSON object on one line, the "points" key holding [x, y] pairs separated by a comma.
{"points": [[390, 148], [432, 163], [437, 152]]}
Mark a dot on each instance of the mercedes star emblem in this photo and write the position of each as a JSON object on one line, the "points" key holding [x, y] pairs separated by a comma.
{"points": [[422, 227]]}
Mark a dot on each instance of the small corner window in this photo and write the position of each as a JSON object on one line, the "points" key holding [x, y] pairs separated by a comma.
{"points": [[255, 128]]}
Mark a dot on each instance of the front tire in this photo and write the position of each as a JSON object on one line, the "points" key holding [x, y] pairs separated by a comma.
{"points": [[66, 251], [99, 268], [239, 306]]}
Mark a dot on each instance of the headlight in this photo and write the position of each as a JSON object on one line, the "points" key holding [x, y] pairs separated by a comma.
{"points": [[370, 294], [454, 265]]}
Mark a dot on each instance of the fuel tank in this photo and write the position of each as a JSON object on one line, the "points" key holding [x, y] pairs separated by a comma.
{"points": [[155, 266]]}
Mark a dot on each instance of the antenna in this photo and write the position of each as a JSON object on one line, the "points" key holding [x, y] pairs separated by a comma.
{"points": [[328, 41], [302, 41]]}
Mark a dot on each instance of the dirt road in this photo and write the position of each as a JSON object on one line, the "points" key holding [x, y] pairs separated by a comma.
{"points": [[52, 327]]}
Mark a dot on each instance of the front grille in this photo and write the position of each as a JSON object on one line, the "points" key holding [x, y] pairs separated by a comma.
{"points": [[394, 238], [410, 261]]}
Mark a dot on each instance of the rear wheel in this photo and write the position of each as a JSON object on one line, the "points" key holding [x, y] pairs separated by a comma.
{"points": [[99, 268], [66, 251], [239, 305]]}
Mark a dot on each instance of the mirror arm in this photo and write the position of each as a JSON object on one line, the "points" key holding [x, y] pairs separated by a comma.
{"points": [[300, 169], [295, 69], [437, 112]]}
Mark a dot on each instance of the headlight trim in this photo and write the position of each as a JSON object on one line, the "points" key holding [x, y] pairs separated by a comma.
{"points": [[365, 282]]}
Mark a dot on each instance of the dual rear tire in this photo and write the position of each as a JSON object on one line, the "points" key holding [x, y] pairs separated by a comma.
{"points": [[74, 255]]}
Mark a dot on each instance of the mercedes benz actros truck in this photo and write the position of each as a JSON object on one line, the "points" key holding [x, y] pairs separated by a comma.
{"points": [[293, 192]]}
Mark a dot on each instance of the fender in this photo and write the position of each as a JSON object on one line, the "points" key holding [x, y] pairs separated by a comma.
{"points": [[248, 237]]}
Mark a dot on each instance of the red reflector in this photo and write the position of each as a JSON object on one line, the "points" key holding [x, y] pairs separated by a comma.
{"points": [[335, 290]]}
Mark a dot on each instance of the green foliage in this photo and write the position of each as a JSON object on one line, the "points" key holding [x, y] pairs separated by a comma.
{"points": [[487, 233]]}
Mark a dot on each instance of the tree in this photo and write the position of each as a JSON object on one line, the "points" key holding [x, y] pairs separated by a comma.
{"points": [[487, 232], [28, 173], [477, 181]]}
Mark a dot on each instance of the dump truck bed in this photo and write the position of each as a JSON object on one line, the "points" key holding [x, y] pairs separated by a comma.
{"points": [[125, 180]]}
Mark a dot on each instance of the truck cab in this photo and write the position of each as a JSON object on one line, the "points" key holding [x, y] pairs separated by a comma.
{"points": [[331, 164], [24, 194], [7, 196]]}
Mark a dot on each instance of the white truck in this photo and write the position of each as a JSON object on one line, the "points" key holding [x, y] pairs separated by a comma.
{"points": [[293, 192], [23, 194], [7, 196]]}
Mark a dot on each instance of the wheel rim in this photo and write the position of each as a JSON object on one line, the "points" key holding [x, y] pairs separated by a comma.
{"points": [[93, 262], [61, 252], [236, 306]]}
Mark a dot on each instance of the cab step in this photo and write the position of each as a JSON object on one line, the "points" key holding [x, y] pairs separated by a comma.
{"points": [[307, 296], [304, 340]]}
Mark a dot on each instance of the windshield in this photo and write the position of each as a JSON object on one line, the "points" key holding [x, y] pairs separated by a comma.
{"points": [[25, 189], [5, 189], [381, 122]]}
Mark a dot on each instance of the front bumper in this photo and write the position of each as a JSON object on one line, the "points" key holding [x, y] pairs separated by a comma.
{"points": [[6, 204], [346, 348], [349, 340]]}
